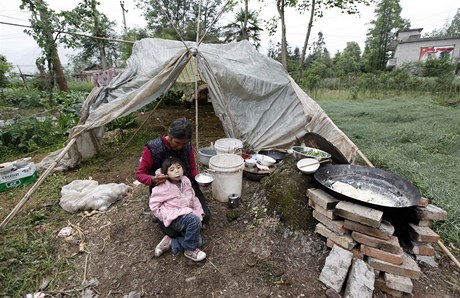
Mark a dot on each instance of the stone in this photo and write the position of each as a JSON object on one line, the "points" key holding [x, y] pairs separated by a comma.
{"points": [[328, 213], [421, 248], [359, 213], [333, 225], [360, 282], [427, 260], [422, 234], [381, 285], [343, 240], [398, 283], [383, 255], [331, 293], [425, 223], [408, 268], [322, 198], [430, 212], [391, 245], [355, 250], [384, 231], [335, 269]]}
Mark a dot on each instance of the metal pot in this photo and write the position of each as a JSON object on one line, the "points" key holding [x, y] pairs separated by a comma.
{"points": [[369, 185], [275, 154]]}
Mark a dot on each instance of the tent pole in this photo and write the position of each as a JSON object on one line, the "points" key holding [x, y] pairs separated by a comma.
{"points": [[37, 184], [196, 79]]}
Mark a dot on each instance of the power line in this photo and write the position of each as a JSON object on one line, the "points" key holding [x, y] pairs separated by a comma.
{"points": [[74, 33]]}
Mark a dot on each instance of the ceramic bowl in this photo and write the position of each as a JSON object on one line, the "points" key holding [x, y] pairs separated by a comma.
{"points": [[204, 179], [250, 163], [308, 165]]}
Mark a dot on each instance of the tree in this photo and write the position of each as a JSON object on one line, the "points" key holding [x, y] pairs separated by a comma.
{"points": [[387, 22], [349, 61], [239, 29], [86, 18], [131, 35], [451, 28], [164, 17], [317, 7], [5, 67], [44, 23]]}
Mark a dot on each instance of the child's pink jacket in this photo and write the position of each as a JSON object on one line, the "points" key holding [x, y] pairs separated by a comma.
{"points": [[168, 202]]}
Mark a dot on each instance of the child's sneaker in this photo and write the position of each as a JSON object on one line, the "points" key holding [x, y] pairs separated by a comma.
{"points": [[164, 245], [195, 255]]}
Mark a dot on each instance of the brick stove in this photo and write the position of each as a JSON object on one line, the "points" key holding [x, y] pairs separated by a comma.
{"points": [[373, 248]]}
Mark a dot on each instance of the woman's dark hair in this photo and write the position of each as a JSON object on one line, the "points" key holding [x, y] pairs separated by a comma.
{"points": [[181, 129], [169, 162]]}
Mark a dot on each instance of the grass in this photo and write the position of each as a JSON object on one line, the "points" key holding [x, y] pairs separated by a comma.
{"points": [[416, 138]]}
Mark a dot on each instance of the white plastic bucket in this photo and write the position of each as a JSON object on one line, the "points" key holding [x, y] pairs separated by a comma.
{"points": [[227, 170], [228, 146]]}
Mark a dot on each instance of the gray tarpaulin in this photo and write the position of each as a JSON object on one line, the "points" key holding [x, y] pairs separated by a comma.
{"points": [[252, 94]]}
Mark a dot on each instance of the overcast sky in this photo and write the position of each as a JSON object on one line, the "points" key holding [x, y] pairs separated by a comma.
{"points": [[338, 29]]}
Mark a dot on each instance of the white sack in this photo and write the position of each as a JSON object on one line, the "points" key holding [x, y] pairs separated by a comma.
{"points": [[89, 195]]}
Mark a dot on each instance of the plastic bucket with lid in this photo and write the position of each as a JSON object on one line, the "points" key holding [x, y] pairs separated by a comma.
{"points": [[227, 170], [228, 146]]}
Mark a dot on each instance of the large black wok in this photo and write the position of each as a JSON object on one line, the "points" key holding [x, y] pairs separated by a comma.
{"points": [[369, 185]]}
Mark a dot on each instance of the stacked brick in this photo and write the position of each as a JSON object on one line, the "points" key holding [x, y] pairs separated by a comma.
{"points": [[366, 236], [421, 234]]}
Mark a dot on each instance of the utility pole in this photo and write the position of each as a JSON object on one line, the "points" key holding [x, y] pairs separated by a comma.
{"points": [[122, 4]]}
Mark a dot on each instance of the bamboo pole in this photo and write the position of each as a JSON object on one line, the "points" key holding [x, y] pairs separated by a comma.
{"points": [[368, 162], [37, 184], [448, 253]]}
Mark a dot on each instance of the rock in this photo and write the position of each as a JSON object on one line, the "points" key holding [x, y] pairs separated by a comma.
{"points": [[360, 281], [336, 268]]}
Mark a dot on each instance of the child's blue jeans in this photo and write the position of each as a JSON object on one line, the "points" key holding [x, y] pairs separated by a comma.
{"points": [[189, 226]]}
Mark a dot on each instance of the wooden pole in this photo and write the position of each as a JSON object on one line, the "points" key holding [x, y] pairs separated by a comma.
{"points": [[448, 253], [37, 184]]}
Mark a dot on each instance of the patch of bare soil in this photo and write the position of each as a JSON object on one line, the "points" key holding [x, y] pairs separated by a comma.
{"points": [[250, 253]]}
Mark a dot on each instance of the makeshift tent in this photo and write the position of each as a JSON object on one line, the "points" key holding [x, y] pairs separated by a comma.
{"points": [[253, 96]]}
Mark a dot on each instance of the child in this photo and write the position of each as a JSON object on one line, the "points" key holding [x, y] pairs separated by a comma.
{"points": [[175, 204]]}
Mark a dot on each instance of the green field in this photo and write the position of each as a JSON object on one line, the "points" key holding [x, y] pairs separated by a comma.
{"points": [[415, 138]]}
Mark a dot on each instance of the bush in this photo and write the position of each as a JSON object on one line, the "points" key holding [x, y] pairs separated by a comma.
{"points": [[22, 98], [438, 67]]}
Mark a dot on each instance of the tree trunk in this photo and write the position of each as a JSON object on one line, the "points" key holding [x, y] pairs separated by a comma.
{"points": [[245, 24], [58, 70], [307, 37], [53, 54], [280, 4], [100, 43]]}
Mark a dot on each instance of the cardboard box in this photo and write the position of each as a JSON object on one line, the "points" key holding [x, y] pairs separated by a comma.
{"points": [[18, 177]]}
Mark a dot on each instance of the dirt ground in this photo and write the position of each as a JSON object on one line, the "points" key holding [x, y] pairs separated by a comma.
{"points": [[250, 253]]}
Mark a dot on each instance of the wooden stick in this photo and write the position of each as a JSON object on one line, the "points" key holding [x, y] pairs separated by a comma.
{"points": [[448, 253], [37, 184], [368, 162]]}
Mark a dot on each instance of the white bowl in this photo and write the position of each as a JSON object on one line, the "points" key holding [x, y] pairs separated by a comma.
{"points": [[308, 165], [250, 163], [204, 179], [265, 160]]}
